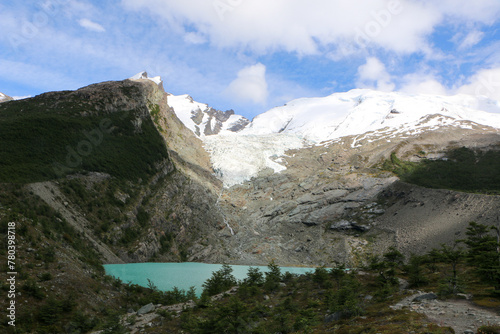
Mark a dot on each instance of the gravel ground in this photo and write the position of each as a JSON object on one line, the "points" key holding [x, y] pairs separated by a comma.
{"points": [[462, 315]]}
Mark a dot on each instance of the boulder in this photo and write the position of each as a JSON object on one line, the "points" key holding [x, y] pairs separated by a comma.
{"points": [[427, 296], [146, 309]]}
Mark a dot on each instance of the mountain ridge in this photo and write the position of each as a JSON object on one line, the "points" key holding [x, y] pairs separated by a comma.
{"points": [[358, 116], [356, 112]]}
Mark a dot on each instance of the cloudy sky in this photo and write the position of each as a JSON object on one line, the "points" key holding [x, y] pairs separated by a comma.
{"points": [[252, 55]]}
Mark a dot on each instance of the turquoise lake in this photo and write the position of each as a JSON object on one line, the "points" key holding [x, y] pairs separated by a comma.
{"points": [[182, 275]]}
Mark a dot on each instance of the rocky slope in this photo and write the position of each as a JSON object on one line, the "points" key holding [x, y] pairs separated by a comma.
{"points": [[332, 204]]}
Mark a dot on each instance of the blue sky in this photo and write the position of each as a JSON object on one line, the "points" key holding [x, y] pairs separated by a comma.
{"points": [[252, 55]]}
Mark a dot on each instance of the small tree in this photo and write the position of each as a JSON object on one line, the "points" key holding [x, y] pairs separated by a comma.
{"points": [[347, 299], [483, 254], [414, 270], [221, 280], [273, 276], [254, 277], [452, 256], [338, 273]]}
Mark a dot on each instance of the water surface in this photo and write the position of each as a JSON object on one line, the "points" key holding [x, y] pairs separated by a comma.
{"points": [[182, 275]]}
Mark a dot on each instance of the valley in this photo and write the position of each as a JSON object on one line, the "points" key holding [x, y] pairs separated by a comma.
{"points": [[116, 173]]}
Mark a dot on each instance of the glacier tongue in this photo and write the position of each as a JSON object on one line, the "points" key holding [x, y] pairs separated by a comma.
{"points": [[237, 158]]}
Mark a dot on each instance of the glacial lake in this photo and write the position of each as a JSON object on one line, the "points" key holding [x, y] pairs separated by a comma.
{"points": [[182, 275]]}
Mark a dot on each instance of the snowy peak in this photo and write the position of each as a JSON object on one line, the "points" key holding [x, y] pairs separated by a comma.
{"points": [[4, 98], [204, 120], [361, 111], [144, 76]]}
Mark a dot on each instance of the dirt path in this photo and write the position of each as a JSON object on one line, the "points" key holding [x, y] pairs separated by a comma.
{"points": [[461, 315], [51, 195]]}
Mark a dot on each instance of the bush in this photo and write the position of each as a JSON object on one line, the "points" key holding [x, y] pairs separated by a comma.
{"points": [[489, 329], [273, 277], [221, 280], [254, 277]]}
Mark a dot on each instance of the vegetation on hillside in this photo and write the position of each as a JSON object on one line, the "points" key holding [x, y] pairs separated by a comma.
{"points": [[49, 137], [464, 170]]}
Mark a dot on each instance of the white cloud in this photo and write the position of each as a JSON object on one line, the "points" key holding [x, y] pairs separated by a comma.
{"points": [[194, 38], [266, 26], [417, 83], [471, 39], [483, 11], [90, 25], [485, 82], [250, 85], [374, 75]]}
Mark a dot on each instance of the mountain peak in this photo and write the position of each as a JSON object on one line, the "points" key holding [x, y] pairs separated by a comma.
{"points": [[4, 98], [144, 76], [204, 120]]}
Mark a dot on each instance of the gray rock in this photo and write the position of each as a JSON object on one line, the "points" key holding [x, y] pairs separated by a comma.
{"points": [[468, 331], [334, 195], [376, 211], [341, 225], [403, 284], [146, 309], [427, 296], [333, 317]]}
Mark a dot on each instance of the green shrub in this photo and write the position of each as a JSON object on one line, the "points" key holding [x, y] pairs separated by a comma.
{"points": [[221, 280], [489, 329]]}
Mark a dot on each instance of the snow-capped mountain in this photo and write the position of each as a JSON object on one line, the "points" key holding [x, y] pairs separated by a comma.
{"points": [[360, 111], [4, 97], [343, 114], [365, 114], [204, 120], [241, 149]]}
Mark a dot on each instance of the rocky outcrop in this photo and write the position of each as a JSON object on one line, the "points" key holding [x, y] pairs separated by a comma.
{"points": [[5, 98]]}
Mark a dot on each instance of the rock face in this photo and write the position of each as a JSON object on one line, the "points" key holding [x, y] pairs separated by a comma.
{"points": [[5, 98], [204, 120]]}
